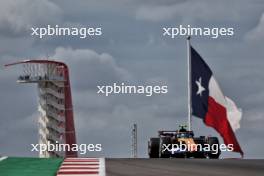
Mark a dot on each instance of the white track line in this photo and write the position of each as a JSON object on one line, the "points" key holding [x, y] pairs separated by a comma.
{"points": [[102, 167], [3, 158]]}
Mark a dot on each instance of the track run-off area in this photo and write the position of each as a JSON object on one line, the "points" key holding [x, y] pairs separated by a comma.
{"points": [[16, 166]]}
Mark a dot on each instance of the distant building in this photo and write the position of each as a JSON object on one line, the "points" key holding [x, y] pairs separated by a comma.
{"points": [[56, 123]]}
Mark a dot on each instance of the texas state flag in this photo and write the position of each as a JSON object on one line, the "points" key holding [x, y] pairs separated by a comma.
{"points": [[209, 103]]}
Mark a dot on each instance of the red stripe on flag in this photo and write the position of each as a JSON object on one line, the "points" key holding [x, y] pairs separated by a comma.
{"points": [[216, 117]]}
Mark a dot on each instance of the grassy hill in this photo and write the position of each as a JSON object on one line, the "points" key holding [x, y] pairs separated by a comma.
{"points": [[15, 166]]}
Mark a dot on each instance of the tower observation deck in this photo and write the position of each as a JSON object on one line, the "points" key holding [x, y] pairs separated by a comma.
{"points": [[56, 123]]}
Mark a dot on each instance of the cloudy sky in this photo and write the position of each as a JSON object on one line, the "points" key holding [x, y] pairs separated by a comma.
{"points": [[131, 50]]}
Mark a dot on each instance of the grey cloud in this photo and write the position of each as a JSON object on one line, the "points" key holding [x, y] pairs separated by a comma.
{"points": [[191, 11], [93, 69], [18, 16], [256, 34]]}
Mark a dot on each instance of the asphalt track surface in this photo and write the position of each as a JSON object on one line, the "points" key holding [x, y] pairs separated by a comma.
{"points": [[184, 167]]}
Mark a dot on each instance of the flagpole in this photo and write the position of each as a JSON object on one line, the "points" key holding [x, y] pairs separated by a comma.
{"points": [[189, 83]]}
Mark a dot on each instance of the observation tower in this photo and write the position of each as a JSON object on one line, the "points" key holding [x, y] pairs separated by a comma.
{"points": [[56, 123]]}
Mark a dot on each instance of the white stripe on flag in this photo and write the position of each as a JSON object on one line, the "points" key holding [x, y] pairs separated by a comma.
{"points": [[234, 114], [215, 92]]}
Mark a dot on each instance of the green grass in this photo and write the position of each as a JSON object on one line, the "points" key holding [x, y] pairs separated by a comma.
{"points": [[16, 166]]}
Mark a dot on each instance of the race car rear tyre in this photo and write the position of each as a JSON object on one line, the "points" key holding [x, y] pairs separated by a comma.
{"points": [[163, 152], [153, 147], [200, 143], [213, 141]]}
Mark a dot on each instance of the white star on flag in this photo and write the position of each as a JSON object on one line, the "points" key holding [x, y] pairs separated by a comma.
{"points": [[200, 87]]}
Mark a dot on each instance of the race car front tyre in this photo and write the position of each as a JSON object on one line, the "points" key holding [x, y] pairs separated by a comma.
{"points": [[165, 142], [153, 147], [214, 145]]}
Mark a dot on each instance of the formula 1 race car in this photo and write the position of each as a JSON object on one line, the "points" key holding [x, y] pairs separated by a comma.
{"points": [[182, 144]]}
